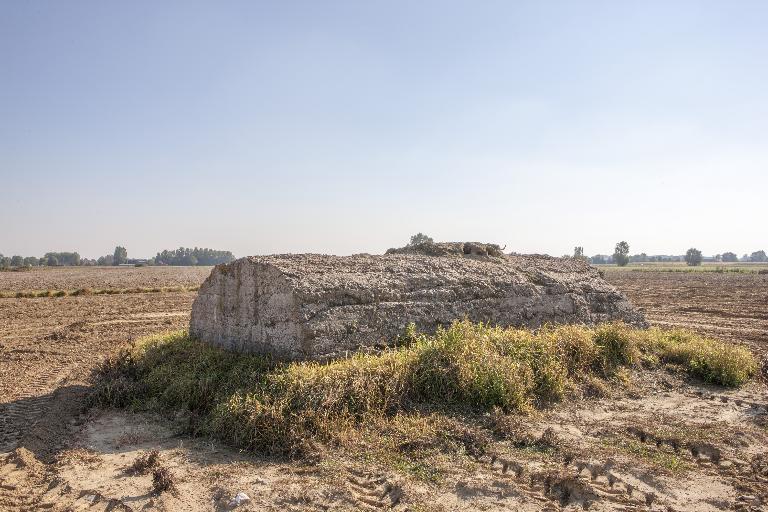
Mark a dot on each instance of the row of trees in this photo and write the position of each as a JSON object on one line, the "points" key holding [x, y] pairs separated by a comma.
{"points": [[692, 257], [604, 259], [18, 261], [49, 258], [56, 259], [180, 256]]}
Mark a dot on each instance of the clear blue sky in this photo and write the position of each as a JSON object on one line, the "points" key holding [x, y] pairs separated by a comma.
{"points": [[345, 127]]}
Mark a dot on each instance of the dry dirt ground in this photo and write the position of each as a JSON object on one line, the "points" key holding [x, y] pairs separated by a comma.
{"points": [[663, 443]]}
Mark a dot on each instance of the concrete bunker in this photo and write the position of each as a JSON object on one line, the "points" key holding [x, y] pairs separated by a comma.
{"points": [[312, 306]]}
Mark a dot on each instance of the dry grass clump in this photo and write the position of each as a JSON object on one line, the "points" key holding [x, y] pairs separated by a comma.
{"points": [[163, 480], [253, 402], [144, 463]]}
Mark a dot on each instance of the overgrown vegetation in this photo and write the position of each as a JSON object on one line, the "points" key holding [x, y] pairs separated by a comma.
{"points": [[712, 361], [420, 238], [255, 403]]}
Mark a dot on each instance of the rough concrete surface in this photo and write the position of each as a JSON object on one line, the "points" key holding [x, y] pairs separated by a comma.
{"points": [[312, 306]]}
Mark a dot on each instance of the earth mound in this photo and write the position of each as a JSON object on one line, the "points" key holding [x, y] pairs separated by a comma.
{"points": [[312, 306]]}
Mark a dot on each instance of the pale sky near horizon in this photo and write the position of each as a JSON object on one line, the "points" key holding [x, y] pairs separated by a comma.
{"points": [[342, 127]]}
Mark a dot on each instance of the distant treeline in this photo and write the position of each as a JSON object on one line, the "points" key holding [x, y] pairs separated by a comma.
{"points": [[187, 256], [726, 257], [182, 256], [49, 258]]}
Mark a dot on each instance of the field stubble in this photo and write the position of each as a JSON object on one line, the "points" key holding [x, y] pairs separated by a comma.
{"points": [[101, 278]]}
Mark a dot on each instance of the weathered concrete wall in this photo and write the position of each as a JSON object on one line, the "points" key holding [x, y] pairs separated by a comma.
{"points": [[309, 306]]}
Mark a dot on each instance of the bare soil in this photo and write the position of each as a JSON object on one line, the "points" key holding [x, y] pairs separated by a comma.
{"points": [[660, 443]]}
